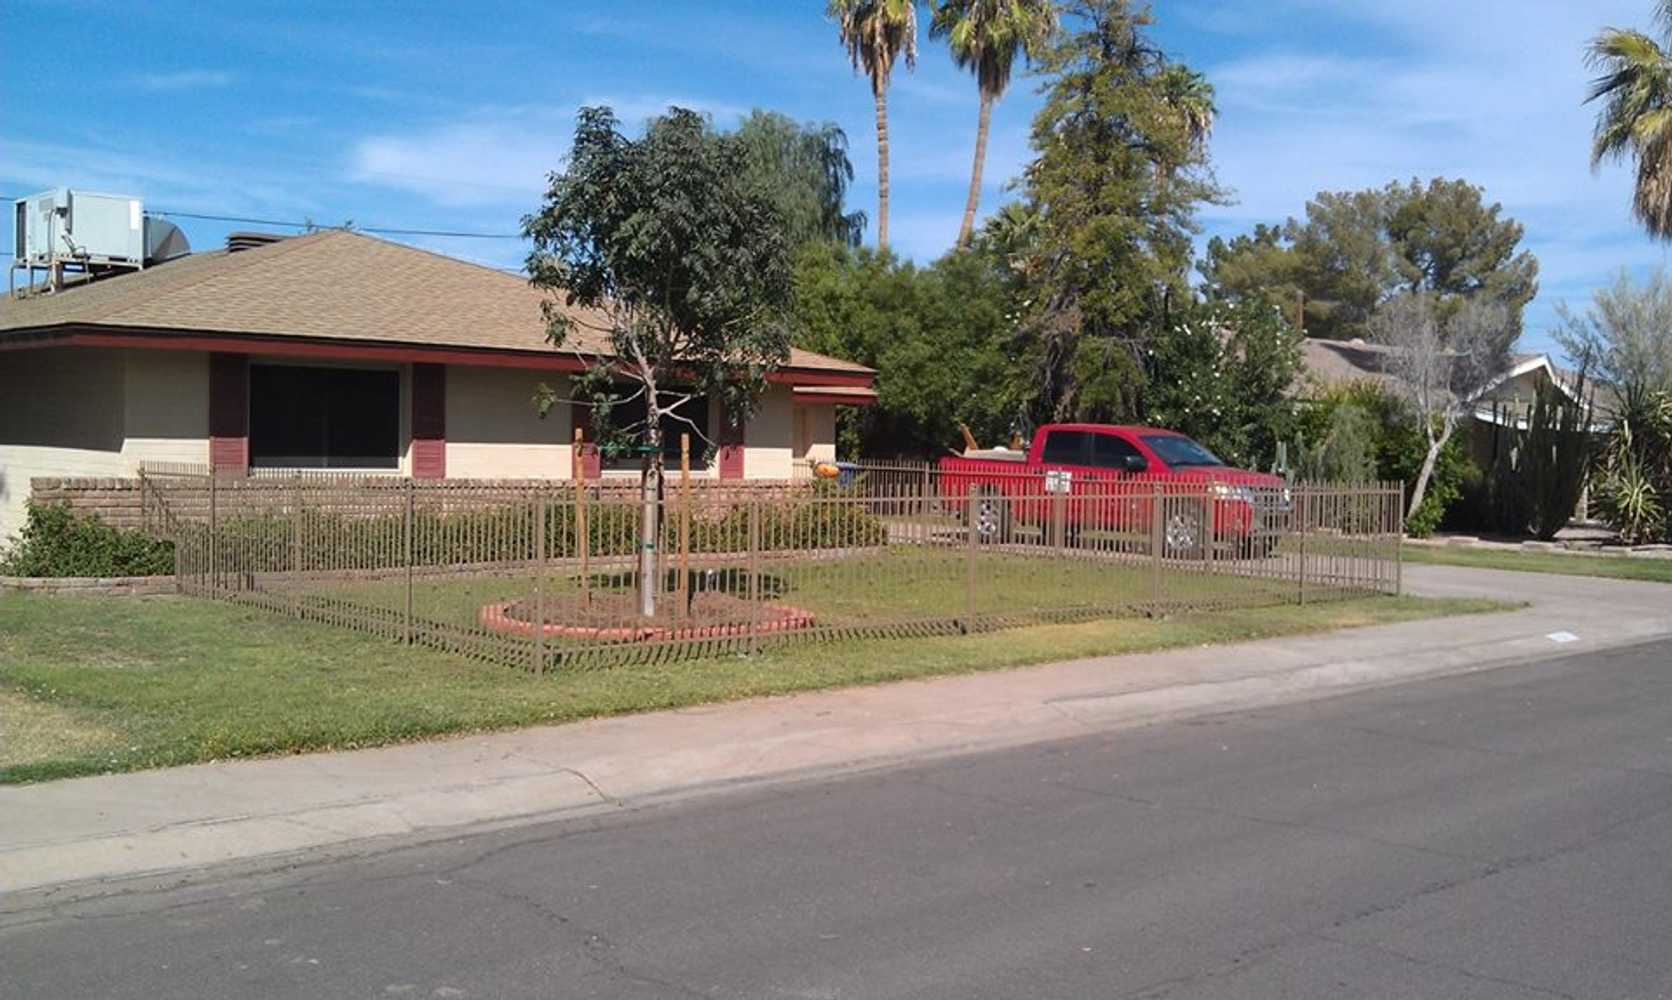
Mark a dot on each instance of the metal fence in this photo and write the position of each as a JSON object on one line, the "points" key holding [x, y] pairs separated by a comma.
{"points": [[548, 576]]}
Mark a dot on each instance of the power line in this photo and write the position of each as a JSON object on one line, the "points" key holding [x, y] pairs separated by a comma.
{"points": [[382, 230]]}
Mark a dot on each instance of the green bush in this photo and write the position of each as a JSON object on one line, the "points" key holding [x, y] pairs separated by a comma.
{"points": [[324, 541], [1633, 492], [57, 542]]}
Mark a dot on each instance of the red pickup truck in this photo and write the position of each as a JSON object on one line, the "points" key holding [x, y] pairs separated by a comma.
{"points": [[1115, 481]]}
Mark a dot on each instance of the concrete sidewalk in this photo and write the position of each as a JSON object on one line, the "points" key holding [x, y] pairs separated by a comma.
{"points": [[157, 821]]}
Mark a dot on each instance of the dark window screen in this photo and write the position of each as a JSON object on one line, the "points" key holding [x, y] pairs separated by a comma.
{"points": [[628, 417], [1065, 448], [1111, 452], [324, 418]]}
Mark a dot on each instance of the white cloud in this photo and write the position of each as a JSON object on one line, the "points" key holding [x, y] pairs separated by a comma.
{"points": [[478, 162], [500, 155], [190, 79]]}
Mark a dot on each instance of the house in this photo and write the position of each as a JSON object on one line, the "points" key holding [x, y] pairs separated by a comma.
{"points": [[1505, 401], [338, 351]]}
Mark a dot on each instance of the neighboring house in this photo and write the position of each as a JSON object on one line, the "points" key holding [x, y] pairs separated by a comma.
{"points": [[1505, 401], [337, 351]]}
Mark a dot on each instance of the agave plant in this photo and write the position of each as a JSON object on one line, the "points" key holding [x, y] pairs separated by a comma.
{"points": [[1634, 493]]}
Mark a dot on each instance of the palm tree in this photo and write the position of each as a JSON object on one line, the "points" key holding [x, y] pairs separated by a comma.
{"points": [[1634, 82], [985, 37], [875, 33], [1189, 97]]}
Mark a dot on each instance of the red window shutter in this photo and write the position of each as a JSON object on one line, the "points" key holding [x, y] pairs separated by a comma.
{"points": [[229, 413], [429, 421], [732, 442], [580, 416]]}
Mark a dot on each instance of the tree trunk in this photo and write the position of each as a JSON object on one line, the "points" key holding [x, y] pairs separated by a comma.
{"points": [[650, 494], [1420, 488], [882, 165], [967, 231]]}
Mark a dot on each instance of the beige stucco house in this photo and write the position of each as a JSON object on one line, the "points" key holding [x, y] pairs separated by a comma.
{"points": [[341, 352]]}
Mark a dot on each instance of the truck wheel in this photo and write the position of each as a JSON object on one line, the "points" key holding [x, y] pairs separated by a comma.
{"points": [[990, 518], [1182, 532]]}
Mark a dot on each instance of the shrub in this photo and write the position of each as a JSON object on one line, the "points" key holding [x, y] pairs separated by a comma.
{"points": [[57, 542], [1634, 490]]}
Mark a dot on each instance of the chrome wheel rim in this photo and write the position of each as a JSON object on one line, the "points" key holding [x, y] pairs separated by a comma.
{"points": [[1181, 532], [987, 518]]}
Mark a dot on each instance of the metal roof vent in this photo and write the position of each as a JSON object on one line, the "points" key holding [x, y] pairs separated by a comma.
{"points": [[248, 240]]}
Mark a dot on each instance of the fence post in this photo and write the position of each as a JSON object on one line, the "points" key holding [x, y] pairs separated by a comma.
{"points": [[1301, 515], [577, 472], [971, 541], [406, 558], [1158, 542], [684, 591], [1395, 497], [539, 582], [754, 575], [214, 537]]}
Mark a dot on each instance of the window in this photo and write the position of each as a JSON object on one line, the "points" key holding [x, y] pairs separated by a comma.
{"points": [[1176, 449], [324, 418], [1065, 448], [621, 450], [1110, 451]]}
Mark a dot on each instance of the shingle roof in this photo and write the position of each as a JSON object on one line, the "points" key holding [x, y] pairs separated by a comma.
{"points": [[334, 284], [1337, 362]]}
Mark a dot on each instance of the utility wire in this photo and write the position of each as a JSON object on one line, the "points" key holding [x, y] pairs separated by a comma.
{"points": [[383, 230]]}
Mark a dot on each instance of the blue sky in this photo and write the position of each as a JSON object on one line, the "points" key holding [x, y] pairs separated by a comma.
{"points": [[447, 116]]}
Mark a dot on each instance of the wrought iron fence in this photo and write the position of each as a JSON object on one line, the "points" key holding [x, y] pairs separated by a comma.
{"points": [[550, 576]]}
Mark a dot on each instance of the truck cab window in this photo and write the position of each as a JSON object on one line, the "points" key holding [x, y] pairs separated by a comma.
{"points": [[1111, 451], [1065, 448]]}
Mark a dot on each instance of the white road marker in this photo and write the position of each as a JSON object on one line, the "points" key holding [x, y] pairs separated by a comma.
{"points": [[1562, 637]]}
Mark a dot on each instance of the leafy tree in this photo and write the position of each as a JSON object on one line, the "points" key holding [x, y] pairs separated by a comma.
{"points": [[807, 170], [939, 335], [1626, 335], [876, 33], [1356, 250], [985, 37], [681, 267], [1118, 177], [1634, 84], [1222, 373]]}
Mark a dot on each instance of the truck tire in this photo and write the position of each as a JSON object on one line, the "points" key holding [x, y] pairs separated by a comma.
{"points": [[1183, 532], [989, 516]]}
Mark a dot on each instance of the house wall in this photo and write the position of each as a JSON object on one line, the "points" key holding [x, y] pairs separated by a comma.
{"points": [[769, 442], [61, 414], [79, 419], [493, 431], [165, 407]]}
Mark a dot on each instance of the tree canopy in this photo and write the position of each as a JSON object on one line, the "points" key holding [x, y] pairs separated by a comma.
{"points": [[685, 256], [941, 335], [1634, 86], [1356, 250], [1118, 176], [807, 171]]}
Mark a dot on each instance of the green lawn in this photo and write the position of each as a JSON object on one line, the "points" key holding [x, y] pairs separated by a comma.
{"points": [[1617, 567], [902, 584], [91, 684]]}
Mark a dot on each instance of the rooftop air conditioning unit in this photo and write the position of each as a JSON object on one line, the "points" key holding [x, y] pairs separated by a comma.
{"points": [[80, 226], [95, 234]]}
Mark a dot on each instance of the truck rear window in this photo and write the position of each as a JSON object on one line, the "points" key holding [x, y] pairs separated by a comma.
{"points": [[1177, 450]]}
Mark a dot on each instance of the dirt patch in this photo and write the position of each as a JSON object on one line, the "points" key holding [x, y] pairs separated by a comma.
{"points": [[613, 617], [31, 731]]}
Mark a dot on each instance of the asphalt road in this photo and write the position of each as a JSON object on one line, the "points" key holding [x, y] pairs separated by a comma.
{"points": [[1500, 834]]}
